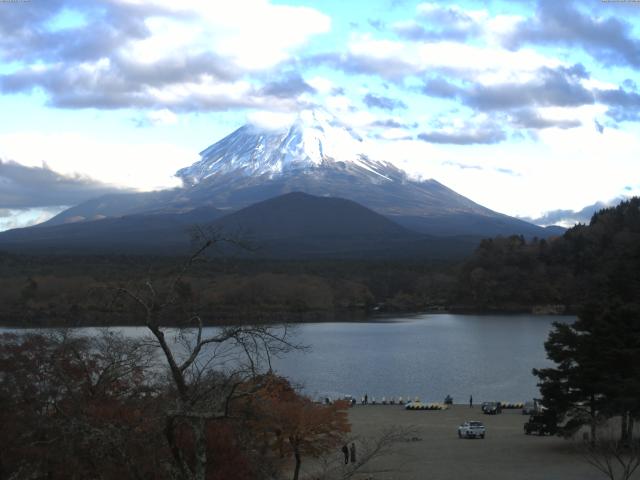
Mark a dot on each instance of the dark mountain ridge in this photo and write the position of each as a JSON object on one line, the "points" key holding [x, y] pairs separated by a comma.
{"points": [[294, 225], [162, 233]]}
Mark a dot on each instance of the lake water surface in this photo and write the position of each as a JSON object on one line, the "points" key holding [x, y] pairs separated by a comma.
{"points": [[428, 356]]}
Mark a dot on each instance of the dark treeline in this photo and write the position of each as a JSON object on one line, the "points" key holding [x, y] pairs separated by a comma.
{"points": [[54, 290], [589, 263], [504, 274], [596, 376]]}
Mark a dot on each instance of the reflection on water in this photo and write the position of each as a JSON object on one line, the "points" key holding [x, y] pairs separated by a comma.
{"points": [[429, 356]]}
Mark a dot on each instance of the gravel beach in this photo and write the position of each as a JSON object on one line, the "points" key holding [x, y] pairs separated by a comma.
{"points": [[438, 454]]}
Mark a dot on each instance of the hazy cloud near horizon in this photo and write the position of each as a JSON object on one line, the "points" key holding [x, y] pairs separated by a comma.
{"points": [[27, 217], [569, 218], [28, 187]]}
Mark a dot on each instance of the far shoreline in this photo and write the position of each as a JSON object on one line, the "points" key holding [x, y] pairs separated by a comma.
{"points": [[301, 318]]}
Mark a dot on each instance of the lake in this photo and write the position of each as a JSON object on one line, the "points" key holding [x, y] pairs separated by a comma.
{"points": [[428, 356]]}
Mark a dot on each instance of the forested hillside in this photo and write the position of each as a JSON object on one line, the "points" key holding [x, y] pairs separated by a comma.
{"points": [[505, 274], [588, 263]]}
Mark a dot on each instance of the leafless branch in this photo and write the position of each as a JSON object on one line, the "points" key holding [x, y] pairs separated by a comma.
{"points": [[615, 460]]}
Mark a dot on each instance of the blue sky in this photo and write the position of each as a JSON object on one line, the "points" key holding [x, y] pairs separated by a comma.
{"points": [[529, 108]]}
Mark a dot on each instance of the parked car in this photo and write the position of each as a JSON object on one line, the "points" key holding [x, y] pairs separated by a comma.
{"points": [[533, 407], [542, 424], [491, 408], [529, 408], [471, 429]]}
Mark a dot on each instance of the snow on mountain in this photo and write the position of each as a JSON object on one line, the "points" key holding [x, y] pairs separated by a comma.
{"points": [[314, 140], [318, 155]]}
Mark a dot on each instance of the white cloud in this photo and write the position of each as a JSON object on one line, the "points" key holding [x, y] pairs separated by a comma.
{"points": [[143, 166], [322, 85], [454, 12], [562, 169], [454, 56], [338, 104], [359, 119], [586, 114], [499, 27], [271, 120], [20, 218], [255, 34], [488, 64], [180, 55], [204, 56], [595, 84], [162, 117], [394, 133]]}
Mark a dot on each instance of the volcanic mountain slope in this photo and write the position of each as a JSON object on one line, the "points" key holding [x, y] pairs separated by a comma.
{"points": [[163, 233], [305, 226], [319, 156], [299, 215], [294, 225]]}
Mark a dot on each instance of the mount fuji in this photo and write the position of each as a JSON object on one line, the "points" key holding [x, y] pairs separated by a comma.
{"points": [[313, 142], [316, 155]]}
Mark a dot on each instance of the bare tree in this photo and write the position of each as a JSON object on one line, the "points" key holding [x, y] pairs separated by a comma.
{"points": [[208, 368], [616, 460]]}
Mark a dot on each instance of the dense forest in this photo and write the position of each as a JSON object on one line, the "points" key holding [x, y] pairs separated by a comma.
{"points": [[588, 263], [71, 290], [504, 274], [594, 384]]}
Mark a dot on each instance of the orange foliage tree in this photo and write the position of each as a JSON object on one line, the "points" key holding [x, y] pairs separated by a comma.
{"points": [[293, 425]]}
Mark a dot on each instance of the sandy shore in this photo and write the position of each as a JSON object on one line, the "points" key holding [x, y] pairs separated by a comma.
{"points": [[505, 454]]}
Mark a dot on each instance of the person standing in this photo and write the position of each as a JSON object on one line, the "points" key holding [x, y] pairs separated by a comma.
{"points": [[366, 399], [470, 401], [353, 452], [345, 451]]}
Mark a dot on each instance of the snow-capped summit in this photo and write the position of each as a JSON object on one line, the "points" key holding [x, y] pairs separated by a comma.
{"points": [[314, 140], [315, 154]]}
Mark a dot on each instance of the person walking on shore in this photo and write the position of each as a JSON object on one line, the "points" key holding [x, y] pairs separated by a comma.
{"points": [[345, 451], [366, 399], [353, 452], [470, 401]]}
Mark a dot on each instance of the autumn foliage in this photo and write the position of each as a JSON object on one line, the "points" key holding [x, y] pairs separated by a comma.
{"points": [[71, 406], [77, 408], [292, 425]]}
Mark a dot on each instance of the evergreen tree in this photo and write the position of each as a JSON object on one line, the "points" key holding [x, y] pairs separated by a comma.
{"points": [[597, 373], [574, 389]]}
